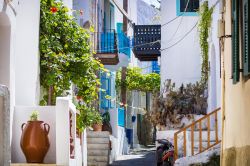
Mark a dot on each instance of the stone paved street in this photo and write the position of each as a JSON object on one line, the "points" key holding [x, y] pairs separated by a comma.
{"points": [[137, 157]]}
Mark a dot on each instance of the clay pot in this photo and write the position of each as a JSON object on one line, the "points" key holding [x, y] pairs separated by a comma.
{"points": [[97, 127], [35, 141]]}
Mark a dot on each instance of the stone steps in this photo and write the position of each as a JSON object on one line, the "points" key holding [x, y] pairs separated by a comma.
{"points": [[98, 148], [97, 163], [29, 164], [93, 152]]}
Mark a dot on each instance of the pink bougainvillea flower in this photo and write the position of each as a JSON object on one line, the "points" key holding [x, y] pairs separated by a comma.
{"points": [[53, 9]]}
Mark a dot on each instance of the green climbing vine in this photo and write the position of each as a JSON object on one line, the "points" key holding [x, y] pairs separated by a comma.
{"points": [[65, 55], [136, 80], [204, 27]]}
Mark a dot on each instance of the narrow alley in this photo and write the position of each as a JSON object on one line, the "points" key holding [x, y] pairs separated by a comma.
{"points": [[137, 157]]}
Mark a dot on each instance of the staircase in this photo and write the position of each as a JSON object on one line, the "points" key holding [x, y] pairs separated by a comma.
{"points": [[197, 137], [98, 148]]}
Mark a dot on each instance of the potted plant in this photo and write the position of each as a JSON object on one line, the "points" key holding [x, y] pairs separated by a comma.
{"points": [[34, 140], [97, 121], [106, 122]]}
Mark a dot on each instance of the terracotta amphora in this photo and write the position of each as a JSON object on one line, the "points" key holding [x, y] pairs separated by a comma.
{"points": [[35, 141]]}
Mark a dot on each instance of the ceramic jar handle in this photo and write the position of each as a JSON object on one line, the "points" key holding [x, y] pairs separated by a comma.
{"points": [[46, 128], [22, 127]]}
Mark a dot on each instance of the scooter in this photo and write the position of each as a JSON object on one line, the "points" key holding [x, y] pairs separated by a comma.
{"points": [[165, 153]]}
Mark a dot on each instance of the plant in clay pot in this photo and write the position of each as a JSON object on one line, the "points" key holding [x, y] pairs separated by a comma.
{"points": [[34, 140], [97, 121]]}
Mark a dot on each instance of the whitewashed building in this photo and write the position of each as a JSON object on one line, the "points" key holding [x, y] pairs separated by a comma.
{"points": [[181, 62], [19, 74], [180, 58]]}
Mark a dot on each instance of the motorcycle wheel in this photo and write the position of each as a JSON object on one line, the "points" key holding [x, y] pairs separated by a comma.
{"points": [[159, 156]]}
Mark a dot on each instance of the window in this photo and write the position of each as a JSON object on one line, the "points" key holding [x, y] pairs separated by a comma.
{"points": [[192, 6], [187, 7], [240, 18], [235, 42], [245, 23]]}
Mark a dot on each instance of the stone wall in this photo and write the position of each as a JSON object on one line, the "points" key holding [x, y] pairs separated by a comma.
{"points": [[4, 126]]}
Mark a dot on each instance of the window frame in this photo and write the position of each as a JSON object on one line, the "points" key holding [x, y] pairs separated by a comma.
{"points": [[245, 30], [235, 57], [179, 13]]}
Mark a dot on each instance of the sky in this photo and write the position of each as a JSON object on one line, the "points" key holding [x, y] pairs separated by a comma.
{"points": [[154, 2]]}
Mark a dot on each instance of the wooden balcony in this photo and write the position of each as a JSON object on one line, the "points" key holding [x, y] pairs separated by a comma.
{"points": [[105, 44], [147, 46]]}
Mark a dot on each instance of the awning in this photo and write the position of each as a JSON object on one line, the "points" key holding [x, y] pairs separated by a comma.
{"points": [[121, 10]]}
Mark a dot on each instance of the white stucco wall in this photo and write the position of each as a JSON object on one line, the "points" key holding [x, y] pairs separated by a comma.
{"points": [[8, 18], [214, 94], [85, 7], [182, 62], [27, 53]]}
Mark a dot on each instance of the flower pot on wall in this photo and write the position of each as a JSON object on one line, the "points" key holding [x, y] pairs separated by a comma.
{"points": [[35, 141], [97, 127]]}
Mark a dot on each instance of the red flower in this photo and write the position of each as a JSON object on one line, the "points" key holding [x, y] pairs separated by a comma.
{"points": [[81, 12], [53, 9], [78, 97]]}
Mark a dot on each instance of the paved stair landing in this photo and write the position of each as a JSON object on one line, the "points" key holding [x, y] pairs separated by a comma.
{"points": [[98, 148]]}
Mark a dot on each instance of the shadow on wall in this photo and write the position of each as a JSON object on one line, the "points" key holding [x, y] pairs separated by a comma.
{"points": [[5, 49]]}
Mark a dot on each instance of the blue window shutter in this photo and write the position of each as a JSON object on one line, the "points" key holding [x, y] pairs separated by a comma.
{"points": [[104, 85], [246, 58], [108, 91], [235, 42], [121, 118], [112, 90]]}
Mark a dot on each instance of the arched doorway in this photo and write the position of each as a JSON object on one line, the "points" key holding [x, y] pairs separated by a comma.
{"points": [[212, 80]]}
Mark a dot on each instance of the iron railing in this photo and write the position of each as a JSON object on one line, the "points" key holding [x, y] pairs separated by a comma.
{"points": [[105, 42], [147, 46]]}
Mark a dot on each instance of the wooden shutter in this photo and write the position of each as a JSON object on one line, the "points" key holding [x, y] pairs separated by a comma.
{"points": [[246, 58], [104, 87], [112, 90], [235, 41]]}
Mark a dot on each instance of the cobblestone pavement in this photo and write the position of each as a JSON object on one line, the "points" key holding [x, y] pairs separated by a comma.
{"points": [[137, 157]]}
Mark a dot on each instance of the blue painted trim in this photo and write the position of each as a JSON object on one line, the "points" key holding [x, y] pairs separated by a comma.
{"points": [[104, 86], [112, 90], [121, 118], [119, 27], [179, 13]]}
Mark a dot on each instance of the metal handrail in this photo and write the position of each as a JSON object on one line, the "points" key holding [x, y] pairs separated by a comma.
{"points": [[192, 126]]}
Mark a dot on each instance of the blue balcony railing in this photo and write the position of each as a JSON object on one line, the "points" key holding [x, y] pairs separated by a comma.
{"points": [[105, 42], [123, 44], [147, 46], [105, 47]]}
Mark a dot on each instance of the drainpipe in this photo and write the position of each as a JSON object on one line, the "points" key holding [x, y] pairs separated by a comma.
{"points": [[222, 11]]}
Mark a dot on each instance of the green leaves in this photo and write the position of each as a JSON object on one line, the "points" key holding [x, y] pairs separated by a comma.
{"points": [[65, 55], [204, 26], [135, 80]]}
